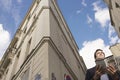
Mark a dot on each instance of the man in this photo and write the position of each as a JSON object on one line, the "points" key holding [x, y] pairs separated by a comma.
{"points": [[99, 72]]}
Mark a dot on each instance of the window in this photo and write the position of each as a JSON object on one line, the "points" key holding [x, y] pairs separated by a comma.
{"points": [[18, 54], [7, 71], [119, 29], [117, 5], [25, 30], [34, 16], [38, 1], [28, 47], [110, 5], [53, 76], [29, 17], [25, 75], [37, 77]]}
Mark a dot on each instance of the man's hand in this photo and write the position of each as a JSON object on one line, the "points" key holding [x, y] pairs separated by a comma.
{"points": [[98, 73], [113, 71]]}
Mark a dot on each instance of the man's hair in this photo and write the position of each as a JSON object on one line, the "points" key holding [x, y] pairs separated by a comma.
{"points": [[96, 52]]}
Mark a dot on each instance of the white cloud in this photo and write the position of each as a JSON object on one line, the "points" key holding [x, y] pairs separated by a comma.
{"points": [[89, 47], [16, 15], [4, 40], [19, 1], [12, 9], [119, 41], [89, 19], [114, 40], [101, 14], [6, 5], [111, 30], [96, 6], [112, 35], [83, 3], [78, 11]]}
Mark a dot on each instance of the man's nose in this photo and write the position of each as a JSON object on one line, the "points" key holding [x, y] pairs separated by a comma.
{"points": [[101, 53]]}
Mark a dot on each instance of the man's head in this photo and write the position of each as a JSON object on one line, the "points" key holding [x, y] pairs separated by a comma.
{"points": [[99, 54]]}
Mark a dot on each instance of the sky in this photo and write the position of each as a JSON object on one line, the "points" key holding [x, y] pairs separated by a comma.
{"points": [[88, 21]]}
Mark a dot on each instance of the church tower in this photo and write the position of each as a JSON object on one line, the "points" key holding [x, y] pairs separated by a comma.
{"points": [[43, 47]]}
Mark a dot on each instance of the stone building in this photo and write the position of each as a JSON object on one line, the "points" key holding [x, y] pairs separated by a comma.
{"points": [[115, 49], [43, 47], [114, 10]]}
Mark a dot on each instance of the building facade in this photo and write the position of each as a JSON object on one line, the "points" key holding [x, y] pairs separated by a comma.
{"points": [[43, 47], [115, 49], [114, 10]]}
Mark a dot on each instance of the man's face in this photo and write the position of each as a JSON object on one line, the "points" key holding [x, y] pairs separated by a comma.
{"points": [[100, 55]]}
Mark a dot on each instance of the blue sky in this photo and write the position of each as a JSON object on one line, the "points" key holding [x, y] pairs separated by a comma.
{"points": [[88, 21]]}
